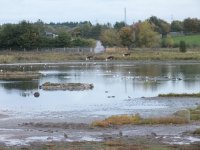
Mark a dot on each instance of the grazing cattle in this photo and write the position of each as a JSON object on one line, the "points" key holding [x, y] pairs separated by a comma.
{"points": [[109, 58], [127, 54], [89, 58]]}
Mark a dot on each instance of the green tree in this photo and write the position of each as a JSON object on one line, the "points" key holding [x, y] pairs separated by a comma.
{"points": [[20, 36], [159, 25], [191, 25], [63, 40], [85, 30], [80, 42], [177, 26], [110, 38], [9, 36], [146, 36], [29, 37], [119, 25], [127, 36]]}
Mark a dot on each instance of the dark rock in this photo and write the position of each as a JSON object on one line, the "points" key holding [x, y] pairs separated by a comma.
{"points": [[36, 94], [153, 134], [65, 135], [120, 133]]}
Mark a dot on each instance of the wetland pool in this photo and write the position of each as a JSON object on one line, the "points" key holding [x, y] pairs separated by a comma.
{"points": [[119, 88]]}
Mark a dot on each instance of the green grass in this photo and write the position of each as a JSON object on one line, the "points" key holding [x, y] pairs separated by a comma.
{"points": [[191, 40]]}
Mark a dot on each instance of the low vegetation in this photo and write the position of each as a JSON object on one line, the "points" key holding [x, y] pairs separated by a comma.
{"points": [[25, 57], [118, 120], [180, 95], [66, 86], [196, 132], [180, 117], [195, 114], [137, 120], [17, 75]]}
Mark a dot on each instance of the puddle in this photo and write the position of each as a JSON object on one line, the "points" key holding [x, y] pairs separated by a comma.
{"points": [[177, 140], [10, 141]]}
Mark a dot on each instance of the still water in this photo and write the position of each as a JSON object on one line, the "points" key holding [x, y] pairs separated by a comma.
{"points": [[119, 88]]}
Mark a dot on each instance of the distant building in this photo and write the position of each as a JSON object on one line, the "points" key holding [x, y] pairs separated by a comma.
{"points": [[51, 35]]}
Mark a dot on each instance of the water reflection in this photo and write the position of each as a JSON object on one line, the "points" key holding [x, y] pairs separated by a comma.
{"points": [[20, 85]]}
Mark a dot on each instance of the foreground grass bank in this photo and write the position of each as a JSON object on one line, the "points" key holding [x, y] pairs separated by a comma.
{"points": [[17, 57], [137, 120]]}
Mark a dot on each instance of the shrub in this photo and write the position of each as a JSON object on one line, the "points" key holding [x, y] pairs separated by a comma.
{"points": [[182, 46], [118, 120], [136, 119], [197, 132]]}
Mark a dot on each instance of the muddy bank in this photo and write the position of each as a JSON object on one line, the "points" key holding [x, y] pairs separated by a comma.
{"points": [[59, 125], [16, 75], [66, 86], [140, 143], [38, 133], [2, 116]]}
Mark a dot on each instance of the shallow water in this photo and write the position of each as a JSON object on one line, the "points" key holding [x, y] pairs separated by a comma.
{"points": [[118, 88]]}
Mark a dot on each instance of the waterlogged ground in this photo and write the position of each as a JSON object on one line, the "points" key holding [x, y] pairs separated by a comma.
{"points": [[119, 88]]}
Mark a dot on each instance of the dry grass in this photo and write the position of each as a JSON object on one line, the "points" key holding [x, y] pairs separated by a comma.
{"points": [[16, 75], [13, 57], [180, 95], [117, 120], [114, 143], [136, 119]]}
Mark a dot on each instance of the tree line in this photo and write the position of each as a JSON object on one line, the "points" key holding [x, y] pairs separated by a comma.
{"points": [[29, 36], [153, 32]]}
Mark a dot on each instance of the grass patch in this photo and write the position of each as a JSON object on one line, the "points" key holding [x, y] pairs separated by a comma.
{"points": [[191, 40], [25, 57], [179, 95], [17, 75], [136, 119], [118, 120], [195, 114], [114, 143], [164, 120]]}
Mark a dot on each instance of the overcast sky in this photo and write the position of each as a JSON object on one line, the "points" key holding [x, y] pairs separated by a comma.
{"points": [[101, 11]]}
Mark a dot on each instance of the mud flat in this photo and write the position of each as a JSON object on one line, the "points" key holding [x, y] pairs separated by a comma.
{"points": [[19, 134], [66, 86], [16, 75]]}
